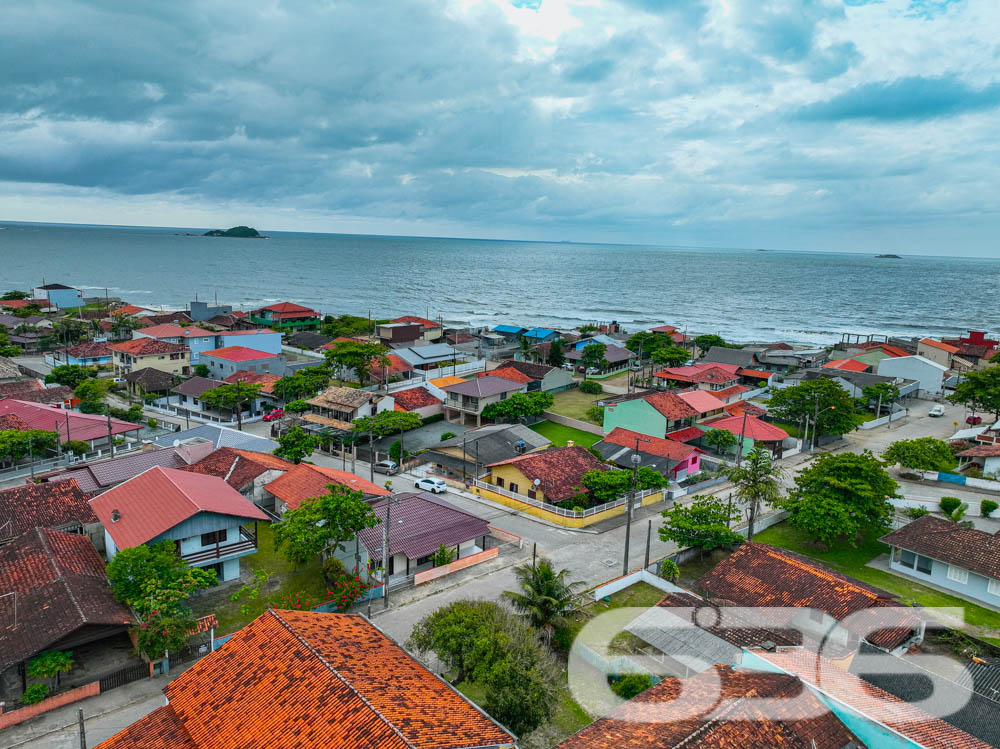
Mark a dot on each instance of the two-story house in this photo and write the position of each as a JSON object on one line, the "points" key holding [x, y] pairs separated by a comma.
{"points": [[59, 295], [211, 524], [140, 353], [196, 339], [286, 316], [431, 331], [655, 414], [720, 379], [466, 400], [227, 361], [86, 354]]}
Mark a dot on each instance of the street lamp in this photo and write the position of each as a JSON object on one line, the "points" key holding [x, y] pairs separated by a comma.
{"points": [[635, 459], [812, 445]]}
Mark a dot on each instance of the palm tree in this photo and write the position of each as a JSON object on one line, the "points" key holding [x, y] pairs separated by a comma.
{"points": [[758, 481], [545, 596]]}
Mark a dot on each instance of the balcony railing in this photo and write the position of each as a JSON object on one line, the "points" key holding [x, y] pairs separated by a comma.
{"points": [[247, 542]]}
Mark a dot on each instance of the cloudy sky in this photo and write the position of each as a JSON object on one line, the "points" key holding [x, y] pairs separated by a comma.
{"points": [[790, 124]]}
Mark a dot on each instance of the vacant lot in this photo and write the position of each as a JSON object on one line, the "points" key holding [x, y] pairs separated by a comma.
{"points": [[573, 403], [561, 435]]}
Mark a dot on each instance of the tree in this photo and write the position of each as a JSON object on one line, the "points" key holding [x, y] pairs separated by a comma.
{"points": [[708, 340], [77, 447], [721, 440], [14, 294], [979, 391], [520, 689], [813, 397], [702, 524], [396, 451], [201, 370], [122, 325], [231, 397], [518, 405], [295, 445], [460, 635], [881, 393], [70, 375], [92, 394], [345, 326], [320, 523], [556, 357], [670, 356], [631, 685], [841, 495], [647, 343], [360, 358], [592, 355], [669, 570], [545, 596], [16, 444], [758, 483], [924, 453], [595, 414], [68, 330], [304, 383], [135, 566], [49, 665], [610, 486], [444, 555]]}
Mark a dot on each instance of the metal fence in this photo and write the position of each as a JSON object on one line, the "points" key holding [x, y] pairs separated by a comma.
{"points": [[123, 676], [561, 510]]}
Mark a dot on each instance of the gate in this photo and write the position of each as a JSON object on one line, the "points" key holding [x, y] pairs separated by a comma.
{"points": [[123, 676]]}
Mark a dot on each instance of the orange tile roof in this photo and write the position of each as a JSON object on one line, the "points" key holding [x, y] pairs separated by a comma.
{"points": [[428, 324], [238, 467], [311, 680], [702, 400], [671, 405], [413, 398], [754, 373], [443, 382], [730, 391], [129, 309], [751, 427], [848, 365], [508, 374], [306, 481], [939, 345]]}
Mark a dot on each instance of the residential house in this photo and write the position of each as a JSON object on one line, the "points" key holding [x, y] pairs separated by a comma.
{"points": [[353, 688], [509, 334], [307, 481], [551, 475], [654, 415], [197, 340], [61, 601], [189, 395], [722, 380], [223, 362], [601, 338], [674, 460], [344, 405], [540, 335], [786, 359], [418, 400], [202, 515], [246, 471], [855, 382], [719, 709], [617, 357], [759, 575], [258, 339], [42, 304], [741, 357], [33, 391], [755, 432], [468, 399], [538, 377], [286, 316], [848, 365], [203, 312], [975, 348], [948, 556], [218, 436], [139, 353], [87, 354], [702, 401], [264, 380], [431, 331], [937, 351], [400, 333], [166, 318], [928, 374], [94, 429], [985, 456], [60, 506], [420, 525], [465, 454], [235, 321], [145, 381], [431, 356], [398, 369], [59, 295], [676, 336]]}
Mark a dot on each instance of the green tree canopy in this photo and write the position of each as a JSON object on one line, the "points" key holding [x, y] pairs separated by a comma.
{"points": [[592, 355], [359, 358], [841, 495], [720, 440], [670, 356], [295, 445], [201, 370], [345, 326], [70, 375], [708, 340], [979, 391], [610, 486], [924, 453], [701, 524], [323, 522], [92, 394], [14, 294], [544, 596], [231, 397], [15, 444], [881, 392], [122, 325], [556, 357], [303, 383], [813, 397], [758, 483], [647, 342], [518, 405], [387, 422]]}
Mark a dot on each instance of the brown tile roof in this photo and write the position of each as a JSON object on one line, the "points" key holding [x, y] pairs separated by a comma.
{"points": [[559, 469], [306, 481], [737, 409], [59, 505], [90, 350], [238, 467], [671, 405], [50, 395], [708, 614], [10, 422], [397, 366], [658, 446], [427, 324], [762, 575], [151, 379], [757, 709], [341, 398], [968, 548], [147, 347], [413, 398], [17, 389], [981, 451], [266, 381], [508, 373], [61, 586], [313, 681], [196, 386]]}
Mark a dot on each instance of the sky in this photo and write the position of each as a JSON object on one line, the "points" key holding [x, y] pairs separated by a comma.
{"points": [[829, 125]]}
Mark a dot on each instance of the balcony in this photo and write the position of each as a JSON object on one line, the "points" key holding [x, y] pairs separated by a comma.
{"points": [[465, 403], [247, 543]]}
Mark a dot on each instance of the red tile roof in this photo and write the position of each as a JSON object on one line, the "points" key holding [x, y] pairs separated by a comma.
{"points": [[559, 469], [849, 365], [306, 481], [60, 585], [662, 448], [730, 391], [663, 329], [50, 418], [708, 372], [981, 451], [968, 548], [719, 709], [413, 398], [702, 400], [672, 406], [130, 309], [13, 422], [737, 408], [90, 350], [534, 371], [508, 374], [939, 345], [685, 435], [59, 505], [755, 429], [239, 354], [159, 499], [313, 681], [288, 310], [397, 366], [428, 324], [238, 467], [761, 575], [894, 351], [169, 330], [266, 381], [147, 347], [755, 374]]}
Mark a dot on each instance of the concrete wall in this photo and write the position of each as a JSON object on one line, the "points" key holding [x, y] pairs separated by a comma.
{"points": [[927, 373], [553, 517], [566, 421], [459, 564], [22, 714]]}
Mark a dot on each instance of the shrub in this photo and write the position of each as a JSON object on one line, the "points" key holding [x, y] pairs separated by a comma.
{"points": [[77, 447], [152, 423], [562, 638], [591, 388], [916, 512], [444, 555], [297, 406], [669, 570], [34, 693], [987, 507], [628, 686], [972, 472], [949, 504], [432, 418], [333, 570], [959, 512], [595, 414], [447, 436]]}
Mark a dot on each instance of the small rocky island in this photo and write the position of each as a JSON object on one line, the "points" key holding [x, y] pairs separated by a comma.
{"points": [[243, 232], [890, 256]]}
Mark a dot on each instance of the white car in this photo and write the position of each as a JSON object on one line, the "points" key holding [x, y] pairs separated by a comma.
{"points": [[431, 485], [936, 411], [593, 370]]}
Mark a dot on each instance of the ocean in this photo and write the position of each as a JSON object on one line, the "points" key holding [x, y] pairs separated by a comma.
{"points": [[743, 295]]}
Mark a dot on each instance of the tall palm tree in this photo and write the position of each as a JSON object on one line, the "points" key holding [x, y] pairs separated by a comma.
{"points": [[758, 482], [545, 596]]}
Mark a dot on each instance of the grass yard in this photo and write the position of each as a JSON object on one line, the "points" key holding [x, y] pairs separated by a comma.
{"points": [[852, 561], [560, 435], [573, 403]]}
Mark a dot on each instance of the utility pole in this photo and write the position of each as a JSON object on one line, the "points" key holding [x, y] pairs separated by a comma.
{"points": [[111, 440], [636, 459], [743, 429], [239, 406], [371, 449], [464, 476], [83, 733], [649, 535], [385, 553]]}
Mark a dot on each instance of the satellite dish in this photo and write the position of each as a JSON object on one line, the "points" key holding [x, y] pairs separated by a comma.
{"points": [[177, 443], [537, 482]]}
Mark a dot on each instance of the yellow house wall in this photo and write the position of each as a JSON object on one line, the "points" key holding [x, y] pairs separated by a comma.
{"points": [[510, 473]]}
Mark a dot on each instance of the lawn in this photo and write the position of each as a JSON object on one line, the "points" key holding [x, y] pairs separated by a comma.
{"points": [[852, 561], [573, 403], [560, 435]]}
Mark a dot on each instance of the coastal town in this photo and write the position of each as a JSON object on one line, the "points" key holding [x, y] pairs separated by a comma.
{"points": [[400, 532]]}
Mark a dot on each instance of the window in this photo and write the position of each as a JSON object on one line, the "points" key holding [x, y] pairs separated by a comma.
{"points": [[993, 587], [924, 565], [500, 481], [958, 574], [513, 487], [896, 553], [210, 539], [531, 494], [204, 340], [908, 559], [424, 559]]}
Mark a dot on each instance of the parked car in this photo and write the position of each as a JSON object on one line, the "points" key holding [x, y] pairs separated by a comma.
{"points": [[936, 411], [118, 380], [974, 420], [593, 370], [636, 365], [431, 485], [387, 467], [274, 415]]}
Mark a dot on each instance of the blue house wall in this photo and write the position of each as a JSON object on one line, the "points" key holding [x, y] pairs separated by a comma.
{"points": [[975, 587]]}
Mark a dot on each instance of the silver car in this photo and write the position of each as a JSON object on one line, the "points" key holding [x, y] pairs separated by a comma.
{"points": [[387, 467]]}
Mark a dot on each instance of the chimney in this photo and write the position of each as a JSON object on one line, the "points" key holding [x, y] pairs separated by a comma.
{"points": [[148, 446], [769, 646]]}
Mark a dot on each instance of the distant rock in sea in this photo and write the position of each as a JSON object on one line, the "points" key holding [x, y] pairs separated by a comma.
{"points": [[243, 232], [890, 256]]}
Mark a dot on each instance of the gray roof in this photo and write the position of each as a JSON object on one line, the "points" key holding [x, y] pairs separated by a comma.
{"points": [[724, 355], [151, 379], [484, 386], [495, 442], [427, 354], [95, 476], [424, 523], [196, 386], [683, 641], [221, 437], [613, 354], [621, 456]]}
